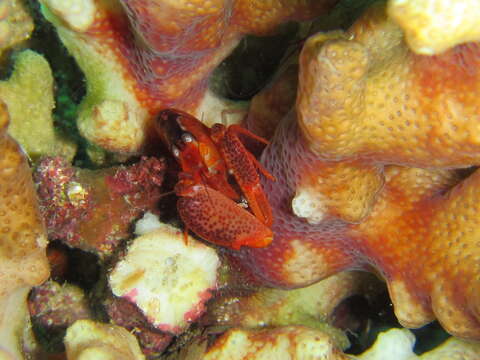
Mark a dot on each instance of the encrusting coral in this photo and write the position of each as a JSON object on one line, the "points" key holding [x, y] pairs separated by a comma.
{"points": [[124, 313], [23, 239], [365, 97], [433, 26], [53, 308], [136, 63], [93, 209], [30, 107]]}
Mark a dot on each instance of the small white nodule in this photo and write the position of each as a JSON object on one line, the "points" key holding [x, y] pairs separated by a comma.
{"points": [[309, 205]]}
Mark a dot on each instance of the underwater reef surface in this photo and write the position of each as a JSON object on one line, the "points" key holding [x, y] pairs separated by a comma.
{"points": [[239, 179]]}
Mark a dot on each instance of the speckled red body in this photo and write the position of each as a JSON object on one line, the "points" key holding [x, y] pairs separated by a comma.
{"points": [[244, 168], [219, 220], [206, 203]]}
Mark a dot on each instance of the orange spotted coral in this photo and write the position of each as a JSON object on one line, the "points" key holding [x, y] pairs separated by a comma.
{"points": [[372, 98], [150, 55], [367, 102], [23, 238]]}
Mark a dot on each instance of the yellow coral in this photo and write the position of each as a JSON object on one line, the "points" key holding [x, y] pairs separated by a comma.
{"points": [[15, 24], [87, 339], [28, 94], [433, 26]]}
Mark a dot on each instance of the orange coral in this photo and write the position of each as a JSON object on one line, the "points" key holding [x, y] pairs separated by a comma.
{"points": [[23, 260], [164, 62], [372, 98], [367, 102]]}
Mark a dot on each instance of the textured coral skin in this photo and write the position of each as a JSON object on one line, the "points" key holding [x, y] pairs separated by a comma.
{"points": [[16, 25], [144, 56], [30, 107], [93, 209], [23, 236], [122, 312], [433, 26], [187, 39], [23, 239], [374, 99], [294, 342], [421, 233]]}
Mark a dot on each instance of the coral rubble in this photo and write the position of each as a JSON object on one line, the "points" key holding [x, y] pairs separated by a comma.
{"points": [[169, 280], [53, 308], [93, 209]]}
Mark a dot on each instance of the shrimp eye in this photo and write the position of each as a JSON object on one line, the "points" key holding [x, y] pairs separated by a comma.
{"points": [[175, 151], [187, 137]]}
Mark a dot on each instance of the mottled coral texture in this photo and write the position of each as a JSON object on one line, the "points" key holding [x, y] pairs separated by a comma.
{"points": [[30, 107], [16, 24], [156, 54], [433, 26], [93, 209], [369, 106], [23, 238]]}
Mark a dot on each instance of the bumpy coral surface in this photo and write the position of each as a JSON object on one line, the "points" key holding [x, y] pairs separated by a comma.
{"points": [[88, 340], [167, 279], [303, 343], [295, 342], [433, 26], [126, 314], [93, 210], [56, 305], [15, 24], [365, 96], [397, 344], [164, 62], [31, 107], [372, 98], [312, 306], [23, 238]]}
